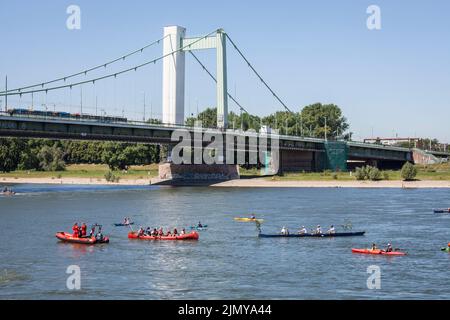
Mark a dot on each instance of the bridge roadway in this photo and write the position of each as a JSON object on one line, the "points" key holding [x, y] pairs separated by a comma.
{"points": [[297, 153]]}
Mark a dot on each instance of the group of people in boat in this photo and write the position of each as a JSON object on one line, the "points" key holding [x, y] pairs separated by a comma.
{"points": [[127, 221], [8, 191], [80, 231], [304, 230], [389, 248], [159, 232]]}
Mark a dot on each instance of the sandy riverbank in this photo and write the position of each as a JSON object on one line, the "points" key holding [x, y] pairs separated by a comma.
{"points": [[74, 181], [264, 183], [243, 183]]}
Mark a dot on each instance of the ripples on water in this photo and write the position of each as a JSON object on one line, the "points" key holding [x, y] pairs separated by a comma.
{"points": [[229, 261]]}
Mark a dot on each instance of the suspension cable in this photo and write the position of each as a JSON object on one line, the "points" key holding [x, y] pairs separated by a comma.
{"points": [[135, 68], [257, 74], [85, 72], [215, 80]]}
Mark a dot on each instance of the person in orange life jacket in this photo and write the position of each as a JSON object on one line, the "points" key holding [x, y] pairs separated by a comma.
{"points": [[75, 229], [83, 230]]}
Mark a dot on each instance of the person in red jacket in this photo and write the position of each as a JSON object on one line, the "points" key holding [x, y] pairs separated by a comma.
{"points": [[75, 230], [83, 230]]}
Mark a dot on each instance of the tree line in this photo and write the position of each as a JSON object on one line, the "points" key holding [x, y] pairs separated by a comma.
{"points": [[54, 155]]}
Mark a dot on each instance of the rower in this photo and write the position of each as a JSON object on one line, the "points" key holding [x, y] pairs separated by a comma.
{"points": [[183, 232], [374, 247], [140, 232], [332, 230], [284, 231], [175, 232], [389, 248], [303, 230], [318, 230], [148, 231], [91, 234], [99, 236], [253, 217]]}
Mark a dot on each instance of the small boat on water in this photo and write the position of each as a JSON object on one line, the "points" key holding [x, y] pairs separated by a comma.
{"points": [[189, 236], [67, 237], [379, 252], [123, 224], [202, 228], [249, 220], [442, 210], [314, 235]]}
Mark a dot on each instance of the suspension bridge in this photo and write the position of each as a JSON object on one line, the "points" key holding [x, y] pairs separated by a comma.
{"points": [[296, 153]]}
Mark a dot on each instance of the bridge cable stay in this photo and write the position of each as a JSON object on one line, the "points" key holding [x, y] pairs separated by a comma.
{"points": [[85, 72], [115, 74], [215, 80], [257, 74]]}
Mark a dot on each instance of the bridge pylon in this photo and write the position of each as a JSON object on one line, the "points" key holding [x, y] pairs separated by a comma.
{"points": [[174, 73]]}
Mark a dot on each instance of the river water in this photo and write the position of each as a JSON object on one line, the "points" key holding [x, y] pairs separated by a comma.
{"points": [[229, 261]]}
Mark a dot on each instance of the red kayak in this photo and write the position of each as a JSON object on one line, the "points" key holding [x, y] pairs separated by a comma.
{"points": [[189, 236], [67, 237], [379, 252]]}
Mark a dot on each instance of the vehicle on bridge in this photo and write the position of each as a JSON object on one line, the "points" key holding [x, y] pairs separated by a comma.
{"points": [[65, 115]]}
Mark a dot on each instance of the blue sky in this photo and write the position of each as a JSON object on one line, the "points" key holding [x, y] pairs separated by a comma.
{"points": [[390, 81]]}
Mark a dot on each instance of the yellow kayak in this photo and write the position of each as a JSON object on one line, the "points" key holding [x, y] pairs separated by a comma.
{"points": [[249, 220]]}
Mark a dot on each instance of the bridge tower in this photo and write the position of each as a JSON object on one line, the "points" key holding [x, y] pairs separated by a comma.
{"points": [[174, 73]]}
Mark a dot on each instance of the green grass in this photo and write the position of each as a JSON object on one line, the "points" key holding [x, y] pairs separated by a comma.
{"points": [[429, 172], [94, 171]]}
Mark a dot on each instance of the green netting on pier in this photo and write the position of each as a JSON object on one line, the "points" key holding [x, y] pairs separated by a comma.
{"points": [[336, 155]]}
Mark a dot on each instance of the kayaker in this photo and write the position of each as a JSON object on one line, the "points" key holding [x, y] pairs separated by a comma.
{"points": [[389, 248], [200, 225], [141, 232], [318, 230], [160, 232], [75, 230], [303, 230], [284, 231], [253, 217], [374, 247], [83, 230], [148, 231], [154, 232], [332, 230]]}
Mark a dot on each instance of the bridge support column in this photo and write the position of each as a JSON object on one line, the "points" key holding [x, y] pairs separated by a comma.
{"points": [[173, 76]]}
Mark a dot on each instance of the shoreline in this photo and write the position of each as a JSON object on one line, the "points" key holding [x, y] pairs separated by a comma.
{"points": [[242, 183]]}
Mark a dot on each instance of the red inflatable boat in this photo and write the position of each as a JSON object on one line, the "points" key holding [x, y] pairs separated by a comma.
{"points": [[379, 252], [189, 236], [67, 237]]}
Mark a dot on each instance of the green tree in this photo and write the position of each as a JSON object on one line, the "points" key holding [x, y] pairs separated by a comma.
{"points": [[409, 172], [316, 115], [10, 154], [51, 158]]}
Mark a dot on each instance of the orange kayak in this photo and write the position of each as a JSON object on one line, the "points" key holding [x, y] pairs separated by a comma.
{"points": [[189, 236], [379, 252], [67, 237]]}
